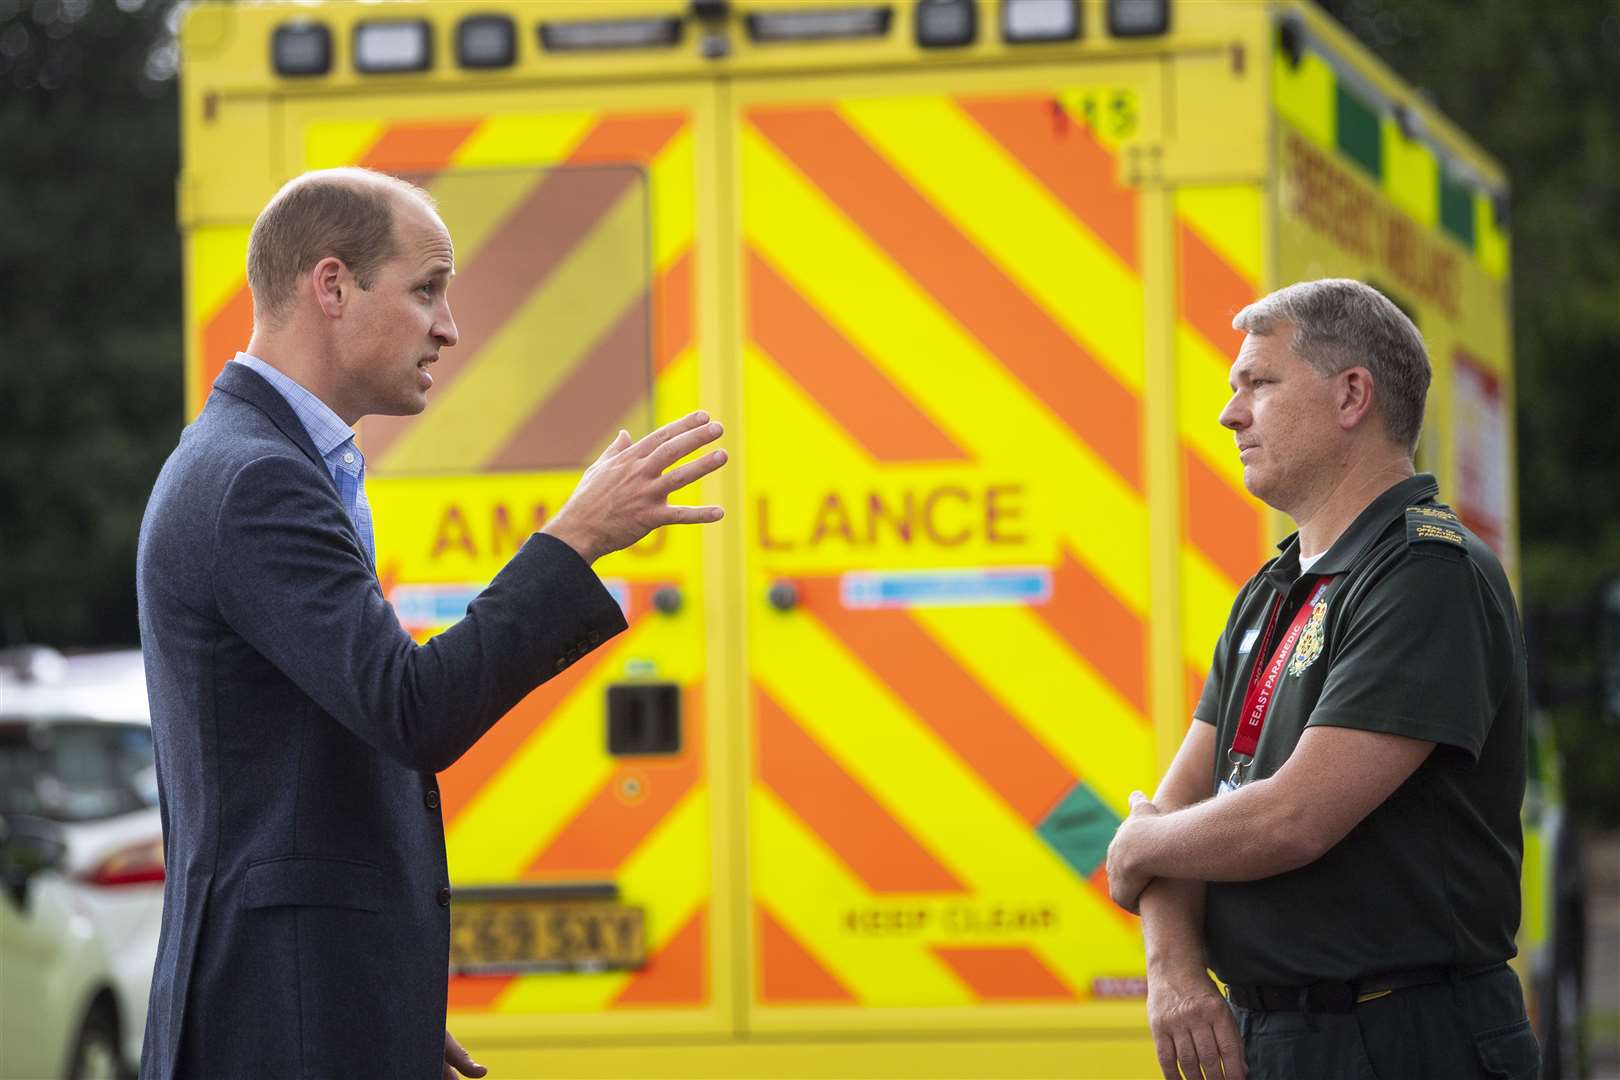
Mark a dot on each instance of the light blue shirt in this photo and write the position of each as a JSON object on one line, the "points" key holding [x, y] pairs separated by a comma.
{"points": [[334, 441]]}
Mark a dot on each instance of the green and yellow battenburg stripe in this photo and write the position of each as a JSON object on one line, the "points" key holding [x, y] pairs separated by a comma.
{"points": [[1347, 117]]}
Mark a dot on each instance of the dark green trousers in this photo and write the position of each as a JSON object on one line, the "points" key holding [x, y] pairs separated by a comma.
{"points": [[1472, 1029]]}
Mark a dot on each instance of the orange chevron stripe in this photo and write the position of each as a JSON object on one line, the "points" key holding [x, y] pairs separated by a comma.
{"points": [[1099, 628], [672, 311], [531, 243], [1004, 973], [1218, 520], [1067, 158], [1195, 687], [224, 334], [678, 974], [988, 738], [788, 972], [620, 139], [835, 806], [459, 783], [470, 993], [611, 826], [1209, 291], [842, 380], [583, 410], [416, 147], [1016, 330]]}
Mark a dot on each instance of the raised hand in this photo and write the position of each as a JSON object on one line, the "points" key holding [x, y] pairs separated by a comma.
{"points": [[624, 494]]}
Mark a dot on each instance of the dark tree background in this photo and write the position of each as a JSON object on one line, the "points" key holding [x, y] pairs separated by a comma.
{"points": [[90, 377], [91, 397]]}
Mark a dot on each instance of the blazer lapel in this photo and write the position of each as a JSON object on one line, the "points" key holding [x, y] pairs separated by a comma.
{"points": [[243, 382]]}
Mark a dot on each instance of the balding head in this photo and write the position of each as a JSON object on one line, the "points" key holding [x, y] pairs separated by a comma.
{"points": [[343, 213]]}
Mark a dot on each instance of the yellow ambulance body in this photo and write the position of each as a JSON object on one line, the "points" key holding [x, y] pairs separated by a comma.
{"points": [[959, 278]]}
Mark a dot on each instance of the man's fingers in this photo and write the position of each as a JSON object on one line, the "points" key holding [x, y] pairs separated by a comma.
{"points": [[1186, 1054], [1209, 1057], [691, 515], [1230, 1046], [457, 1057], [680, 445], [659, 436], [1165, 1047], [692, 471]]}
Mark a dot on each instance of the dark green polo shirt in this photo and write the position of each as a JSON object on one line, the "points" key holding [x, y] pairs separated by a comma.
{"points": [[1420, 637]]}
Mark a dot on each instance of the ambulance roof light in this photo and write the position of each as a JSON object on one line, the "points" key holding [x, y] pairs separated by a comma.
{"points": [[1040, 20], [602, 34], [393, 45], [301, 48], [1138, 18], [946, 23], [823, 24], [486, 41]]}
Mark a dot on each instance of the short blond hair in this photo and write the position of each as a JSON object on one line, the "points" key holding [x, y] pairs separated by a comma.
{"points": [[1341, 323], [343, 213]]}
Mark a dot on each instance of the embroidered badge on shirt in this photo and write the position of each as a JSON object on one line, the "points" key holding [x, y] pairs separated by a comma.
{"points": [[1433, 523], [1310, 641]]}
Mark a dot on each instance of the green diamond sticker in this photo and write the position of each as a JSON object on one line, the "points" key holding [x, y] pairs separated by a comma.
{"points": [[1079, 829]]}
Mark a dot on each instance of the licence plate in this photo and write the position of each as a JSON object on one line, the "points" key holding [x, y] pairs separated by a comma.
{"points": [[503, 936]]}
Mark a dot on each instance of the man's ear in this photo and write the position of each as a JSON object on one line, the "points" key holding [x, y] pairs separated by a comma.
{"points": [[332, 284], [1355, 397]]}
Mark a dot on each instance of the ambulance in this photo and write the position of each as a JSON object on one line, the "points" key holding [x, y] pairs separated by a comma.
{"points": [[958, 276]]}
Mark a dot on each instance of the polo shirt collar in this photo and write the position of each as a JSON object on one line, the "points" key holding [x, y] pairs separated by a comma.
{"points": [[1367, 528]]}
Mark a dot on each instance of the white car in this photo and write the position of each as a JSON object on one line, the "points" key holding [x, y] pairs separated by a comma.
{"points": [[81, 864]]}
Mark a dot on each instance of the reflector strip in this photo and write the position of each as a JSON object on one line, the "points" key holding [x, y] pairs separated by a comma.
{"points": [[788, 971], [627, 807], [1099, 628], [678, 973], [1027, 776], [838, 376], [1074, 166], [852, 823], [1009, 973], [1021, 335]]}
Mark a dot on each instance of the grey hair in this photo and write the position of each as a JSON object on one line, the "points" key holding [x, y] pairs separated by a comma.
{"points": [[347, 213], [1341, 323]]}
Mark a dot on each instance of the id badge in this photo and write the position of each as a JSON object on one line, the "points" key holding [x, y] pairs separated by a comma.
{"points": [[1225, 787]]}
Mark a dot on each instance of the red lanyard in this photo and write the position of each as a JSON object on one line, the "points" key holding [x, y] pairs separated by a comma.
{"points": [[1263, 682]]}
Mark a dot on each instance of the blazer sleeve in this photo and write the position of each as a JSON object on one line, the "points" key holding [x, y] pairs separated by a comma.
{"points": [[290, 580]]}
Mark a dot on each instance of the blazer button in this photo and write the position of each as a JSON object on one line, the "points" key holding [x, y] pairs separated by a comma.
{"points": [[444, 897], [562, 662], [431, 797], [595, 638]]}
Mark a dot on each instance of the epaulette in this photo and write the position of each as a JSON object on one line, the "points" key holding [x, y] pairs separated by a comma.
{"points": [[1434, 524]]}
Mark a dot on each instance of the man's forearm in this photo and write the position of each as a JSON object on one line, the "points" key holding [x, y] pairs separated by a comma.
{"points": [[1247, 835], [1173, 928], [1172, 910]]}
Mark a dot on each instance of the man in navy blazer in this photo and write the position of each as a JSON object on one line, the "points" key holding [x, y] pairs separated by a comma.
{"points": [[306, 909]]}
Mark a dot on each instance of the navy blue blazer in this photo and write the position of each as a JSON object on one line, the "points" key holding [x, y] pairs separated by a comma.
{"points": [[306, 918]]}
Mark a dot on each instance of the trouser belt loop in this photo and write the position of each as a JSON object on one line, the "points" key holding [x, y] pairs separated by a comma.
{"points": [[1305, 1006]]}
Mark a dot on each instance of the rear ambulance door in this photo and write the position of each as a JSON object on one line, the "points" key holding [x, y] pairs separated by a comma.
{"points": [[948, 554], [580, 830]]}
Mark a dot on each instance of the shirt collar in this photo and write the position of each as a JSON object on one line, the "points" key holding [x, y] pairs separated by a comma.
{"points": [[326, 428], [1368, 526]]}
